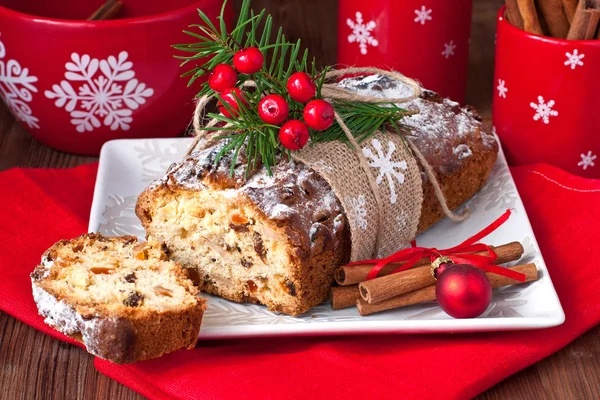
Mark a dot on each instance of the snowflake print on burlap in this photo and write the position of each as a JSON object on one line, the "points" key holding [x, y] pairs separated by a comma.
{"points": [[423, 15], [502, 89], [358, 211], [362, 33], [16, 87], [543, 110], [587, 160], [449, 49], [574, 60], [386, 166], [107, 95]]}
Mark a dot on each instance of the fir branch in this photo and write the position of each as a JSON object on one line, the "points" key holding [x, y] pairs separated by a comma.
{"points": [[362, 119], [245, 131]]}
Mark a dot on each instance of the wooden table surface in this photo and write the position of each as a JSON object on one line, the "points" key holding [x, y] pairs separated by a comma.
{"points": [[33, 365]]}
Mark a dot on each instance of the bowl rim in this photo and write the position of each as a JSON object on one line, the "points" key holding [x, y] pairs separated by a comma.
{"points": [[501, 19], [167, 15]]}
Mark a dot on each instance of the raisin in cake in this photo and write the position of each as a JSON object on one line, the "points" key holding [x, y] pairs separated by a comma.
{"points": [[122, 299], [276, 240]]}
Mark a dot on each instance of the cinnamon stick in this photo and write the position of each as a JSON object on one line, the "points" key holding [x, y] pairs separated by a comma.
{"points": [[428, 293], [386, 287], [351, 275], [553, 18], [590, 31], [570, 6], [531, 22], [513, 15], [343, 296], [109, 9], [580, 22]]}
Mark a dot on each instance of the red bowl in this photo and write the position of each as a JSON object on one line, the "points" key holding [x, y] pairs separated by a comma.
{"points": [[75, 84], [546, 106]]}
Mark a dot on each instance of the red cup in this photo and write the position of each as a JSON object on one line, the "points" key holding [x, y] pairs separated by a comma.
{"points": [[425, 40], [75, 84], [546, 106]]}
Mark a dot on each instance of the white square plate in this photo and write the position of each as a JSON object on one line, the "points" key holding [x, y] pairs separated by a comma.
{"points": [[128, 166]]}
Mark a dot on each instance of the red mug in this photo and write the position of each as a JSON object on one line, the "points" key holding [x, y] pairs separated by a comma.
{"points": [[427, 40], [75, 84], [546, 106]]}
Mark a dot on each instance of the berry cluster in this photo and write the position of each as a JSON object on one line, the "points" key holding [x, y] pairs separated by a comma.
{"points": [[273, 108]]}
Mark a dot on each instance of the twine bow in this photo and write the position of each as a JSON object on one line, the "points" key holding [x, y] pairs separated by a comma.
{"points": [[459, 254], [332, 91]]}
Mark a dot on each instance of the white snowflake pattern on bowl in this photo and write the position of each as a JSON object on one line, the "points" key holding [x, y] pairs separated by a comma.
{"points": [[449, 49], [362, 33], [423, 15], [16, 88], [543, 110], [100, 98], [574, 59]]}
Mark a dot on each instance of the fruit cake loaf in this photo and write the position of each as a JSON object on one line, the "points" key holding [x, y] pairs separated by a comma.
{"points": [[276, 240], [122, 299]]}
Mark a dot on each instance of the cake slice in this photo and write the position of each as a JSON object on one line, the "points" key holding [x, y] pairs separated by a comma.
{"points": [[124, 300]]}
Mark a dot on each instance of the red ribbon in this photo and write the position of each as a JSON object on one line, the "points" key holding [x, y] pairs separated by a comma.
{"points": [[460, 254]]}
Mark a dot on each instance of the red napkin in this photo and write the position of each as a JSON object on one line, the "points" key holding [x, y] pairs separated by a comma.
{"points": [[38, 207]]}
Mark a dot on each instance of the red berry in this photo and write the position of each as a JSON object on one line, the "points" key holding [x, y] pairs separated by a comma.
{"points": [[273, 109], [293, 135], [318, 114], [222, 76], [300, 87], [228, 97], [248, 60]]}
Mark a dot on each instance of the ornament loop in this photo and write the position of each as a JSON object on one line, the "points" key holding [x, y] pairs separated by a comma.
{"points": [[437, 262]]}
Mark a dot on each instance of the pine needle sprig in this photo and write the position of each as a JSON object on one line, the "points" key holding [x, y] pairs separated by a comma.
{"points": [[246, 131], [363, 119]]}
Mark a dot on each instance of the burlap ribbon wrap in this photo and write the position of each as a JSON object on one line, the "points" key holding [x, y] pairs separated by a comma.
{"points": [[376, 230], [377, 181]]}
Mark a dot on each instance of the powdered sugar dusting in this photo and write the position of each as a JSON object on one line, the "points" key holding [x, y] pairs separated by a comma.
{"points": [[462, 151], [439, 123], [57, 313]]}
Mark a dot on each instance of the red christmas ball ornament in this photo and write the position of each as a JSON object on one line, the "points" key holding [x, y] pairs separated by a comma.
{"points": [[248, 60], [300, 87], [222, 77], [273, 109], [318, 114], [293, 135], [463, 291], [228, 97]]}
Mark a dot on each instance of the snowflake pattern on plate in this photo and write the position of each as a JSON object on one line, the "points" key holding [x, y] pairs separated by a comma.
{"points": [[387, 167], [16, 87], [423, 15], [362, 33], [502, 89], [587, 160], [100, 100], [543, 110], [358, 211], [449, 49], [119, 217], [574, 59], [155, 159]]}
